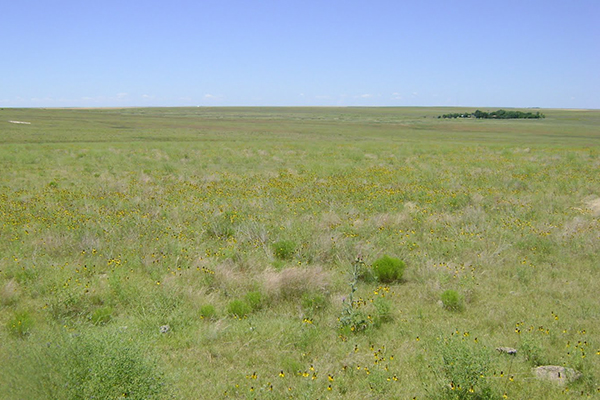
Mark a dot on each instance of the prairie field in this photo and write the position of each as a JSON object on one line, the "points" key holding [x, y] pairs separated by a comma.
{"points": [[187, 253]]}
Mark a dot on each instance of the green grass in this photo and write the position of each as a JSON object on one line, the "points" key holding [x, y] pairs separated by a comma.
{"points": [[114, 223]]}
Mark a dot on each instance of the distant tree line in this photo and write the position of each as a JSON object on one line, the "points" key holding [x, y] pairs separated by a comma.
{"points": [[500, 114]]}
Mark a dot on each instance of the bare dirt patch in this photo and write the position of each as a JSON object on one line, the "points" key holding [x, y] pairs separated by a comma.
{"points": [[594, 206]]}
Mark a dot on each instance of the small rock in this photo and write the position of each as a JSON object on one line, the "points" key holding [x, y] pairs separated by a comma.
{"points": [[558, 374], [165, 329], [507, 350]]}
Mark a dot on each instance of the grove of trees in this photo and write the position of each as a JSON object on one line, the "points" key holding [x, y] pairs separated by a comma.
{"points": [[500, 114]]}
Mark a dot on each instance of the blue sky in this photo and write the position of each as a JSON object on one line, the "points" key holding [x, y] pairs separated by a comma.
{"points": [[527, 53]]}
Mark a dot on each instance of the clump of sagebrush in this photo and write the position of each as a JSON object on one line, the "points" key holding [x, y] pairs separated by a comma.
{"points": [[452, 300], [20, 324], [239, 308], [388, 269], [284, 249]]}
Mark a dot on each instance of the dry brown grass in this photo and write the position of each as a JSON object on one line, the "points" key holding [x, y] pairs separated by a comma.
{"points": [[9, 293], [292, 283]]}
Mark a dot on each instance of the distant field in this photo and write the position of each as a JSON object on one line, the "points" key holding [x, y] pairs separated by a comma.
{"points": [[212, 253]]}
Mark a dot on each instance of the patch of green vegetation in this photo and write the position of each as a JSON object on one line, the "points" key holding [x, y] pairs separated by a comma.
{"points": [[106, 365], [499, 114], [388, 269], [20, 324], [284, 249], [109, 234], [255, 300], [464, 368], [101, 315], [239, 308], [452, 300], [208, 312]]}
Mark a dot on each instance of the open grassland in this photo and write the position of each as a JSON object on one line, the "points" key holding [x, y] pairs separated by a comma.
{"points": [[212, 253]]}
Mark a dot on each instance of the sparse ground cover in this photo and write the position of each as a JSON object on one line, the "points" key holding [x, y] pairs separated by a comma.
{"points": [[228, 253]]}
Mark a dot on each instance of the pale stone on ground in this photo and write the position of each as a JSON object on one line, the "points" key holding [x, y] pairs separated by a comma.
{"points": [[558, 374], [507, 350]]}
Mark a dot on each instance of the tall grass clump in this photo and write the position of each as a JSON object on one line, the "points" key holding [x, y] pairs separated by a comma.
{"points": [[388, 269], [239, 308], [254, 299], [102, 315], [222, 226], [464, 366]]}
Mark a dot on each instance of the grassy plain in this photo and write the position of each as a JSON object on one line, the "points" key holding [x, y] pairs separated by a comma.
{"points": [[239, 228]]}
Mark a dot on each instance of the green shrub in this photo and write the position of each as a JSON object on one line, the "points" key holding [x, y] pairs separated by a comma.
{"points": [[20, 324], [208, 311], [452, 300], [239, 308], [101, 315], [388, 269], [254, 300], [284, 249]]}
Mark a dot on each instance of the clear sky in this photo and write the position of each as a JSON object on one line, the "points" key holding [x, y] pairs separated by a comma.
{"points": [[525, 53]]}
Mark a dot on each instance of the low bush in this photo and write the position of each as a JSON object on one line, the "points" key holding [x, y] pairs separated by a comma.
{"points": [[208, 311], [452, 300], [388, 269]]}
